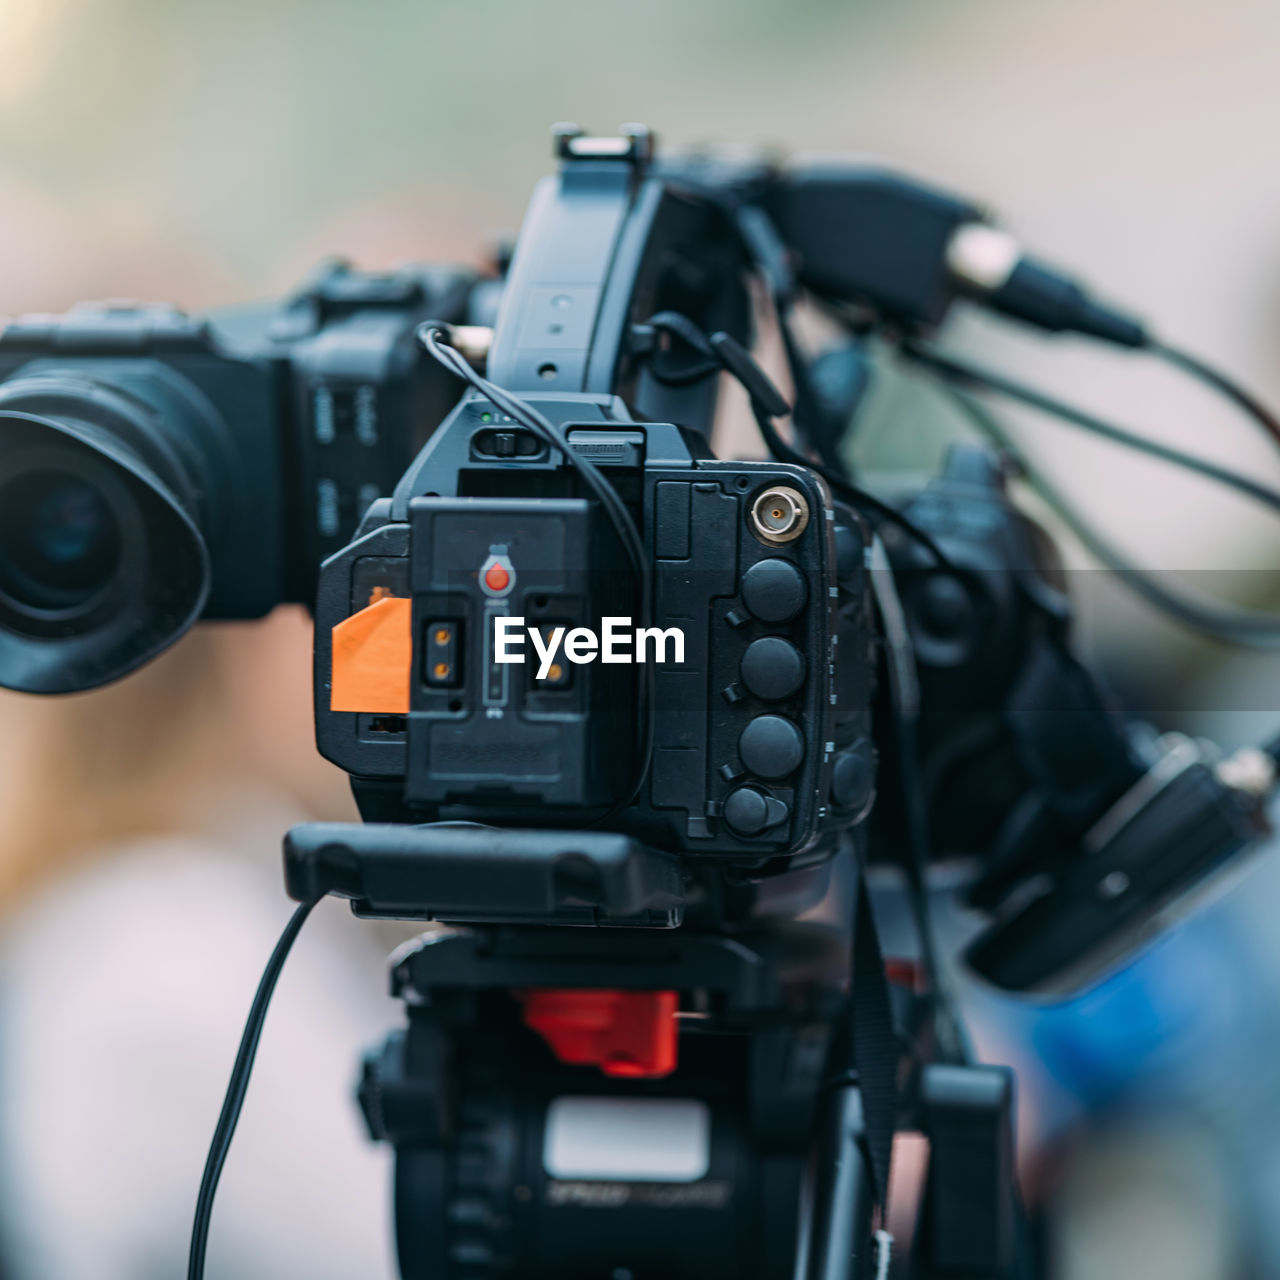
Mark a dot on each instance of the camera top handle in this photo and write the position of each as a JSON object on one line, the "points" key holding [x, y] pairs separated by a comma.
{"points": [[604, 245]]}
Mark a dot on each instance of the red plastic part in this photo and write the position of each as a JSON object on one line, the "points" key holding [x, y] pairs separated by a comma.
{"points": [[624, 1033], [904, 973], [497, 578]]}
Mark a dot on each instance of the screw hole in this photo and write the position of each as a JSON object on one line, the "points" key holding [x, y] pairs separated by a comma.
{"points": [[743, 482], [455, 704]]}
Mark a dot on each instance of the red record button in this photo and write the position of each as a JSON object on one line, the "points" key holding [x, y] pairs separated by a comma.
{"points": [[497, 575]]}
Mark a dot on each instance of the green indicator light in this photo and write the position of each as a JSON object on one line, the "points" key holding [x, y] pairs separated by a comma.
{"points": [[486, 417]]}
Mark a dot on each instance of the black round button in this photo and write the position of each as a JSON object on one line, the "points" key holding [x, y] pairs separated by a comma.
{"points": [[750, 812], [747, 811], [774, 590], [771, 747], [772, 668], [853, 775]]}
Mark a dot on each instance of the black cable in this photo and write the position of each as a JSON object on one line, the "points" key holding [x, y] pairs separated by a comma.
{"points": [[904, 702], [1202, 372], [855, 496], [1229, 626], [677, 325], [429, 335], [954, 369], [684, 328], [813, 425], [953, 1040], [1238, 627], [237, 1086]]}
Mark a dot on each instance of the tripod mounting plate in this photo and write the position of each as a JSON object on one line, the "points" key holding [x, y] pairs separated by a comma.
{"points": [[467, 873]]}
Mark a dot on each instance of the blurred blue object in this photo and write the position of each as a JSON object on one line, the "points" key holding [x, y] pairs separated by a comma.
{"points": [[1159, 1023]]}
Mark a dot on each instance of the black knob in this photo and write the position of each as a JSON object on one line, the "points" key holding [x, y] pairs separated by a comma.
{"points": [[772, 668], [749, 812], [774, 590], [853, 776], [771, 747]]}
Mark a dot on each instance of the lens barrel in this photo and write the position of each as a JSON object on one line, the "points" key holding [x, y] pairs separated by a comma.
{"points": [[103, 554]]}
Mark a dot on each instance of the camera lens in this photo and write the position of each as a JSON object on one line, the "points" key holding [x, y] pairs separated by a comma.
{"points": [[102, 562], [59, 541]]}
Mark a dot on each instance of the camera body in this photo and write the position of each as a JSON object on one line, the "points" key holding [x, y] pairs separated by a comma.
{"points": [[760, 729], [190, 467], [759, 650]]}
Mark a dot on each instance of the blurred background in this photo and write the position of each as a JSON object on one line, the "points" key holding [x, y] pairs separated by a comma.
{"points": [[207, 153]]}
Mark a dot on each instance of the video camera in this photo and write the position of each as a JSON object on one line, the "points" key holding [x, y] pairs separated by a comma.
{"points": [[627, 721], [156, 469]]}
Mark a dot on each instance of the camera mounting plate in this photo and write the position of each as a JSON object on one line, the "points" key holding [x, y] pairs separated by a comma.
{"points": [[469, 873]]}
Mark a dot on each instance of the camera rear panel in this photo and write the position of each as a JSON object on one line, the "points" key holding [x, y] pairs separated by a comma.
{"points": [[747, 718], [543, 731]]}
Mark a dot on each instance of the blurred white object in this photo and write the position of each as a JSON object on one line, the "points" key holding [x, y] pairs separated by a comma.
{"points": [[633, 1139], [123, 993]]}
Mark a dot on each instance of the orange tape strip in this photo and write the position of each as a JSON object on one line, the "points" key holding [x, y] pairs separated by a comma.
{"points": [[372, 657]]}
